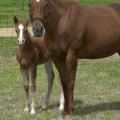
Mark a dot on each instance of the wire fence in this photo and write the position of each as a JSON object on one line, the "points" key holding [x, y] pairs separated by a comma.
{"points": [[8, 41], [88, 76]]}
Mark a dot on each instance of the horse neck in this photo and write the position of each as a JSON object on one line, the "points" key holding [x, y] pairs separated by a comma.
{"points": [[56, 10]]}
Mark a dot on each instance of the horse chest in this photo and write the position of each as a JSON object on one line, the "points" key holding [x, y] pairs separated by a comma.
{"points": [[23, 61], [26, 59]]}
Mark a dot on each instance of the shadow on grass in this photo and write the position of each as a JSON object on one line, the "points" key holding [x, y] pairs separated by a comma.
{"points": [[56, 105], [101, 107], [82, 110]]}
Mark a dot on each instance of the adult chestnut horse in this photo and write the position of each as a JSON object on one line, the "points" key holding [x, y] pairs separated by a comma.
{"points": [[75, 32]]}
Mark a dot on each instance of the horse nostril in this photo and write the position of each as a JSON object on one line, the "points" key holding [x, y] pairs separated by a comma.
{"points": [[33, 28], [41, 29], [38, 31]]}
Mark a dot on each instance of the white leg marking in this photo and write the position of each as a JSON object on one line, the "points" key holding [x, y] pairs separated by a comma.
{"points": [[27, 109], [61, 102], [32, 108]]}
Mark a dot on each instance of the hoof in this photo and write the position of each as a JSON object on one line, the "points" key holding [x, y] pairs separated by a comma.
{"points": [[61, 107], [32, 111], [45, 107], [27, 109]]}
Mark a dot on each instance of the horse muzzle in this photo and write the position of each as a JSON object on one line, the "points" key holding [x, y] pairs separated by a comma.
{"points": [[38, 31]]}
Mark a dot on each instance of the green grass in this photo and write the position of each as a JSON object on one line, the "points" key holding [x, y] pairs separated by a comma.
{"points": [[12, 5], [97, 90], [10, 8], [8, 46]]}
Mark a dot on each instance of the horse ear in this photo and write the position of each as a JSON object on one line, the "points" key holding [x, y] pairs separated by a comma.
{"points": [[15, 19], [27, 21]]}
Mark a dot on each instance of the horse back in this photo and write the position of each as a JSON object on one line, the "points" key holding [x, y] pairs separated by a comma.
{"points": [[95, 30]]}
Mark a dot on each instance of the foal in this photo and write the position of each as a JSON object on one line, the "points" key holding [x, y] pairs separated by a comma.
{"points": [[31, 52]]}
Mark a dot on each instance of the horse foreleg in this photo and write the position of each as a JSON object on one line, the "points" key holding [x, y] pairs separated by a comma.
{"points": [[67, 71], [32, 87], [71, 62], [50, 77], [25, 77]]}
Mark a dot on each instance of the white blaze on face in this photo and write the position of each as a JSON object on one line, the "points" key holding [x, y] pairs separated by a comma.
{"points": [[21, 37], [37, 0]]}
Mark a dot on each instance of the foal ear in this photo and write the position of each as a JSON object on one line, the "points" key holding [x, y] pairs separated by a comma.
{"points": [[27, 21], [15, 19]]}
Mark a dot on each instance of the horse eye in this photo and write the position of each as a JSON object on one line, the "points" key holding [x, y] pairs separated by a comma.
{"points": [[47, 5]]}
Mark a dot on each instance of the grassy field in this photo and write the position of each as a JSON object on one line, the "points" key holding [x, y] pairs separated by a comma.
{"points": [[97, 90], [9, 8]]}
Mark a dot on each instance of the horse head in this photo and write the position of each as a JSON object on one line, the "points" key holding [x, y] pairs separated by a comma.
{"points": [[21, 28], [38, 12]]}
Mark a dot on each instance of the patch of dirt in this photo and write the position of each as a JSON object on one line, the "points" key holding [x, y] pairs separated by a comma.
{"points": [[10, 32]]}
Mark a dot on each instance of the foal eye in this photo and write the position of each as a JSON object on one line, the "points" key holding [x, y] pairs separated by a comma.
{"points": [[25, 30]]}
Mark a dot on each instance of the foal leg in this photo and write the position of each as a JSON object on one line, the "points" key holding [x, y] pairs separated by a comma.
{"points": [[32, 87], [50, 77], [25, 76]]}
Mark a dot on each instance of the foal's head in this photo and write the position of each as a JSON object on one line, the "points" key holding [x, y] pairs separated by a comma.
{"points": [[38, 12], [21, 30]]}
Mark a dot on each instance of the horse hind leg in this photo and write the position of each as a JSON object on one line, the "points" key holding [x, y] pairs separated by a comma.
{"points": [[50, 76], [25, 77]]}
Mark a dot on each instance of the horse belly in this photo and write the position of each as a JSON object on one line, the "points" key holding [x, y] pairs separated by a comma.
{"points": [[98, 45], [99, 49]]}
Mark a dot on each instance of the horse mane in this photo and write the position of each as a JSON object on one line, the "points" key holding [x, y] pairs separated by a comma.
{"points": [[60, 2]]}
